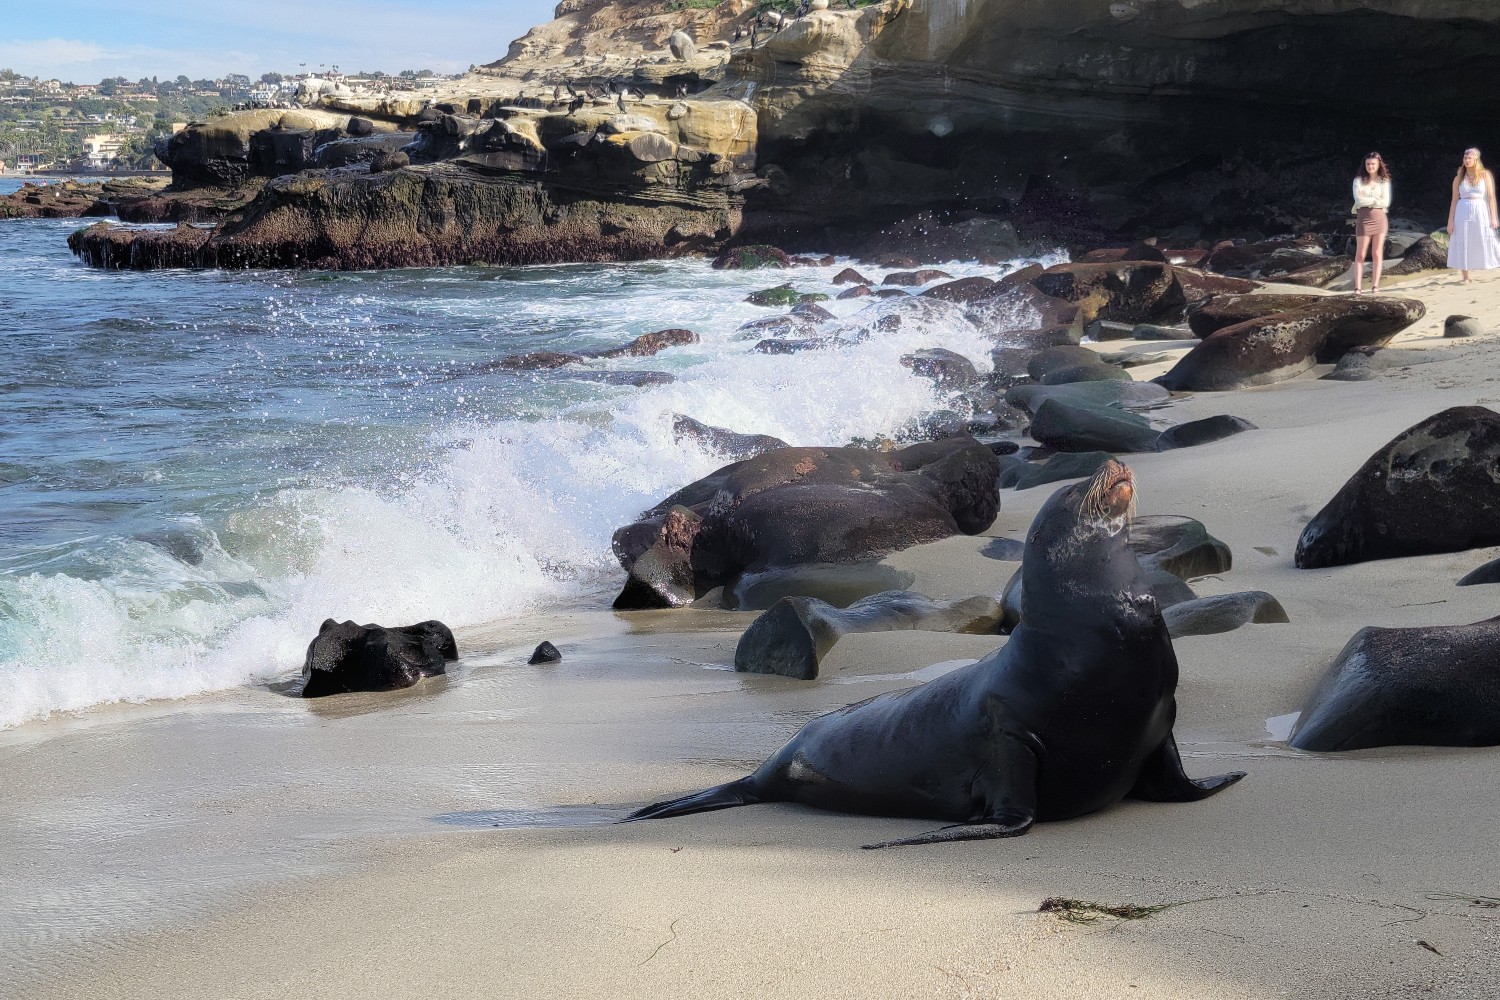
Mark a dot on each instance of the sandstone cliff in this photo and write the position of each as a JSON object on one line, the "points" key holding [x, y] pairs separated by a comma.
{"points": [[1072, 119]]}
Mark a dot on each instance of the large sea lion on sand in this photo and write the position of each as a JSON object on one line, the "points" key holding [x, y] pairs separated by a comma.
{"points": [[1073, 714]]}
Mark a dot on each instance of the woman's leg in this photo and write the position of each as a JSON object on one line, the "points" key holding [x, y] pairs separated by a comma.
{"points": [[1361, 247], [1377, 255]]}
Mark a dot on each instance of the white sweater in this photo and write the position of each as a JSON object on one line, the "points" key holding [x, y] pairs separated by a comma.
{"points": [[1376, 195]]}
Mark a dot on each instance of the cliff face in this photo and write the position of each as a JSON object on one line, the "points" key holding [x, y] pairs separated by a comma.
{"points": [[1155, 112], [1077, 120]]}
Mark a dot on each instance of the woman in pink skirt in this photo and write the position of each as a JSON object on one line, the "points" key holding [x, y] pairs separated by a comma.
{"points": [[1472, 219], [1372, 196]]}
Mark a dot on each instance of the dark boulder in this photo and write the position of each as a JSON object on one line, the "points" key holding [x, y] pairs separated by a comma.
{"points": [[1462, 326], [948, 369], [1128, 292], [1223, 613], [1178, 545], [1423, 255], [1078, 427], [1276, 347], [349, 657], [1063, 465], [388, 161], [751, 258], [1223, 311], [794, 635], [1434, 488], [857, 292], [1094, 371], [1111, 392], [545, 652], [804, 505], [849, 276], [538, 361], [1487, 573], [910, 279], [1063, 356], [1433, 686], [1205, 431], [962, 290], [648, 344], [729, 444], [1198, 286]]}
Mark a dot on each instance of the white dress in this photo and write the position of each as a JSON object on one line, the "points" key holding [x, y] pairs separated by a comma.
{"points": [[1473, 245]]}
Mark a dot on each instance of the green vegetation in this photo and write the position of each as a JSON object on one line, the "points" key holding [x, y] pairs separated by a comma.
{"points": [[1081, 911], [695, 4]]}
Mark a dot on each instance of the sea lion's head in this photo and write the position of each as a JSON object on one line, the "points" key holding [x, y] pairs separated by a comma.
{"points": [[1078, 549]]}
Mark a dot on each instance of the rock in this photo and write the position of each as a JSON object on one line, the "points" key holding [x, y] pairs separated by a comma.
{"points": [[913, 278], [751, 258], [1357, 365], [1279, 346], [537, 361], [1431, 489], [1198, 286], [962, 290], [1111, 392], [1094, 372], [776, 326], [780, 295], [798, 346], [1318, 273], [1432, 686], [1052, 359], [1130, 292], [365, 149], [804, 505], [621, 124], [949, 369], [1178, 545], [1224, 613], [1224, 311], [850, 276], [812, 312], [360, 127], [1128, 359], [1151, 331], [682, 45], [385, 162], [1102, 330], [1252, 259], [1423, 255], [1077, 427], [1205, 431], [727, 443], [1462, 326], [1487, 573], [648, 344], [545, 653], [348, 657], [1064, 465], [857, 292], [792, 637]]}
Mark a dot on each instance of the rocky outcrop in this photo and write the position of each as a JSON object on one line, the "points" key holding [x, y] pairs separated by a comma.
{"points": [[1431, 489], [795, 506]]}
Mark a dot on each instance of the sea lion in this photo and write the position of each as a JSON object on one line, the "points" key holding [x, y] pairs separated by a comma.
{"points": [[1073, 714]]}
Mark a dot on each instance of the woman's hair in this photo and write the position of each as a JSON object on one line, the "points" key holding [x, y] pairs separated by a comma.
{"points": [[1382, 172], [1478, 163]]}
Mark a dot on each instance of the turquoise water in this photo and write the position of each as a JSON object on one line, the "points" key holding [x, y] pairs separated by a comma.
{"points": [[199, 467]]}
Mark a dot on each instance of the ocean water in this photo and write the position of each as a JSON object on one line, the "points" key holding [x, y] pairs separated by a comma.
{"points": [[197, 468]]}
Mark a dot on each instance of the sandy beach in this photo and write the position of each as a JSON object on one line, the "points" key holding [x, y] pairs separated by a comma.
{"points": [[456, 840]]}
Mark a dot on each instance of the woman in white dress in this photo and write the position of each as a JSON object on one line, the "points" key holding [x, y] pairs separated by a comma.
{"points": [[1372, 196], [1473, 219]]}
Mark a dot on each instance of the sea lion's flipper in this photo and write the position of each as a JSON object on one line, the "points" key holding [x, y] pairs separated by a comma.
{"points": [[962, 831], [1006, 796], [735, 793], [1162, 778]]}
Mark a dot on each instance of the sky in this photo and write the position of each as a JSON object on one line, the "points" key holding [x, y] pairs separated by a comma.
{"points": [[84, 41]]}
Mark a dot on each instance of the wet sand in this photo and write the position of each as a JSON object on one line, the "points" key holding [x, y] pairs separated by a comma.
{"points": [[455, 841]]}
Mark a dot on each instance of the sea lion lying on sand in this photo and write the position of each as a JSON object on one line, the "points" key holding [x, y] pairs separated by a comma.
{"points": [[1072, 715]]}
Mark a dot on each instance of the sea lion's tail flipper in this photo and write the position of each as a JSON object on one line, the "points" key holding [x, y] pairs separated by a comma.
{"points": [[960, 831], [735, 793], [1162, 778]]}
